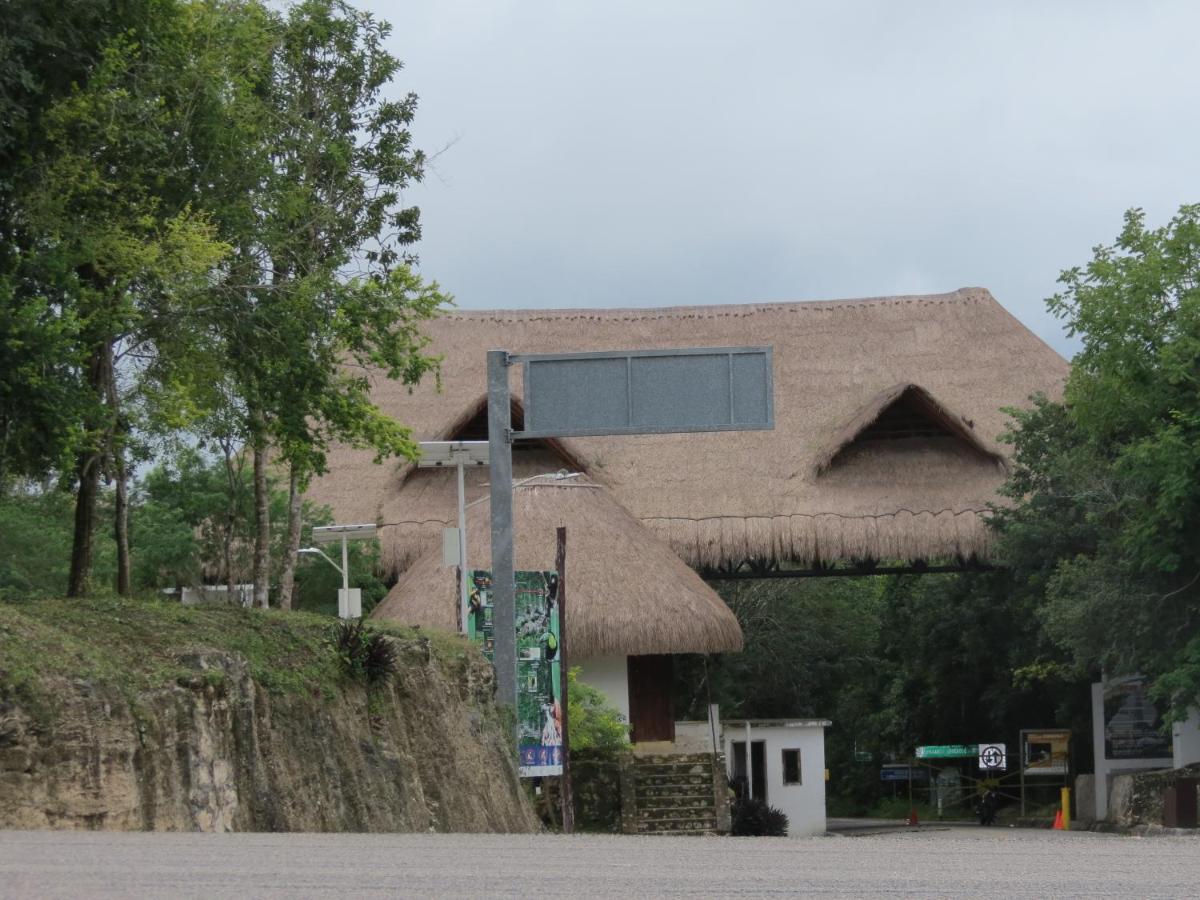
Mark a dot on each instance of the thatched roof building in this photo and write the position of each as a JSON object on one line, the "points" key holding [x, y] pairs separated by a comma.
{"points": [[888, 413], [627, 593]]}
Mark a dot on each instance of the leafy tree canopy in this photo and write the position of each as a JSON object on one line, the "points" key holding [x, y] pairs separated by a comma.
{"points": [[1107, 482]]}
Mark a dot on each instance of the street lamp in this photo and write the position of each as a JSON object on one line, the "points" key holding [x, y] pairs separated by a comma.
{"points": [[460, 454], [349, 600]]}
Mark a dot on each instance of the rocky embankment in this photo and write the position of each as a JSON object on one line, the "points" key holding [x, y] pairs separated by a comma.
{"points": [[222, 746]]}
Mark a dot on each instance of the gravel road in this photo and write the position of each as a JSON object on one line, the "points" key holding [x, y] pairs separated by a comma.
{"points": [[933, 862]]}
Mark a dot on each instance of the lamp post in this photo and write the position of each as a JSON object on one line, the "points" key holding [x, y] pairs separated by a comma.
{"points": [[460, 454], [349, 600]]}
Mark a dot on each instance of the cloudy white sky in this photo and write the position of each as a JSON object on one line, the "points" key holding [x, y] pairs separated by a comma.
{"points": [[616, 153]]}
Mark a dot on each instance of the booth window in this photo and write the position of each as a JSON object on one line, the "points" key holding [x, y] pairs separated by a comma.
{"points": [[791, 766]]}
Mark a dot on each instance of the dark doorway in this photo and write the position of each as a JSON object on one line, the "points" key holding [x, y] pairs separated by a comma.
{"points": [[651, 710], [758, 756]]}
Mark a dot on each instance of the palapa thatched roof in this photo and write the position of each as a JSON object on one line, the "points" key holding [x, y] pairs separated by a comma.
{"points": [[845, 474], [626, 592]]}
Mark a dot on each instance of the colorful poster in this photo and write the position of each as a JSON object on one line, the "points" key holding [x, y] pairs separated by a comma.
{"points": [[539, 675]]}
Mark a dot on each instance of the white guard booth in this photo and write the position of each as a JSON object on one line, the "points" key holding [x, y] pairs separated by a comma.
{"points": [[783, 762]]}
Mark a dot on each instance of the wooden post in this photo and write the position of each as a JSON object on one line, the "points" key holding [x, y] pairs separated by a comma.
{"points": [[560, 565]]}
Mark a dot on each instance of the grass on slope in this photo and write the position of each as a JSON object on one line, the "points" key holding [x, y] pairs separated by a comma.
{"points": [[132, 644]]}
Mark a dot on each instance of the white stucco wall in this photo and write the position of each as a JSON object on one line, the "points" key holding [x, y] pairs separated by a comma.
{"points": [[804, 803], [610, 676], [1186, 740]]}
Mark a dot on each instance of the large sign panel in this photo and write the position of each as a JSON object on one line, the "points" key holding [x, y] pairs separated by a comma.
{"points": [[647, 391], [1133, 727], [539, 673]]}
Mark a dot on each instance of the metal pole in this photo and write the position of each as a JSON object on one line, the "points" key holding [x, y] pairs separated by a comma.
{"points": [[503, 580], [1021, 762], [345, 569], [462, 546], [560, 566], [749, 765]]}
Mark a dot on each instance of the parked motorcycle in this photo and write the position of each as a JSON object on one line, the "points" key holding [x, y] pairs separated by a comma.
{"points": [[986, 806]]}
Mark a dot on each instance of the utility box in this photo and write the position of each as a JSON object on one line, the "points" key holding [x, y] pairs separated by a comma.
{"points": [[350, 603], [1179, 804]]}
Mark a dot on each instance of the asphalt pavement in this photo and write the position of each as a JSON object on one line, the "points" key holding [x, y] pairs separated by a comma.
{"points": [[940, 861]]}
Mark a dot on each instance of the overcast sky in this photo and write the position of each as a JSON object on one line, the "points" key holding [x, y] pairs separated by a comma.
{"points": [[660, 153]]}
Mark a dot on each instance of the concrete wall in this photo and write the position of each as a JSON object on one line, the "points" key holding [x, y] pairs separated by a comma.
{"points": [[217, 595], [695, 737], [610, 676], [804, 803]]}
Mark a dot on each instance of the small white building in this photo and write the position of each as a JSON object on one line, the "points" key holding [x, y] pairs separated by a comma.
{"points": [[783, 762]]}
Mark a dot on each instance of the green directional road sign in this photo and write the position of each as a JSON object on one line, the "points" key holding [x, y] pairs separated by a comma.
{"points": [[947, 751]]}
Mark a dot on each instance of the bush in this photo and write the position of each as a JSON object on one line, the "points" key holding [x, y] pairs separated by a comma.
{"points": [[754, 818], [594, 724], [364, 654]]}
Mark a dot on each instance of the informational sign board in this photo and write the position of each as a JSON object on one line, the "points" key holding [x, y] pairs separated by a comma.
{"points": [[993, 757], [947, 751], [1046, 752], [539, 674], [647, 391], [1133, 726]]}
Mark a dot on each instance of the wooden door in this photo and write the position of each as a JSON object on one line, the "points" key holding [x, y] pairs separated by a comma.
{"points": [[651, 710]]}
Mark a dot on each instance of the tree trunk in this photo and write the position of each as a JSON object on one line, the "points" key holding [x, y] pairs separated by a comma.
{"points": [[121, 523], [88, 474], [262, 525], [87, 470], [288, 579], [116, 456], [233, 486]]}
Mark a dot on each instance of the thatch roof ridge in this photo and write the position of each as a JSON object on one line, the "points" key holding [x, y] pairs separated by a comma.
{"points": [[719, 498], [627, 592], [716, 310]]}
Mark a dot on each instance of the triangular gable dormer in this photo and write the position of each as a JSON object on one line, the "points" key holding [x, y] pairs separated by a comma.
{"points": [[905, 413], [473, 426]]}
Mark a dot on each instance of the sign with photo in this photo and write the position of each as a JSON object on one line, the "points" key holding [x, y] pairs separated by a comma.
{"points": [[1046, 752], [539, 673]]}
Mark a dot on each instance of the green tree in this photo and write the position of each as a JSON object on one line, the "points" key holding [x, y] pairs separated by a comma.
{"points": [[1106, 484], [45, 49], [322, 158], [106, 213]]}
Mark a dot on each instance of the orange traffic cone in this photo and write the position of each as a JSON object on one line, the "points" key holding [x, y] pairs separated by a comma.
{"points": [[1058, 826], [912, 817]]}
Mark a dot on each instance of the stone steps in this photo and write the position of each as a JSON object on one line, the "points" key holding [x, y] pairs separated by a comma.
{"points": [[673, 795]]}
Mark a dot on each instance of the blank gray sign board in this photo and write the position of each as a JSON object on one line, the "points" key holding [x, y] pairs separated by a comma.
{"points": [[647, 391]]}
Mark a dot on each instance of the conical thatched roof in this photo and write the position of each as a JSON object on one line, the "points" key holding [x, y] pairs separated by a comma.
{"points": [[841, 476], [626, 592]]}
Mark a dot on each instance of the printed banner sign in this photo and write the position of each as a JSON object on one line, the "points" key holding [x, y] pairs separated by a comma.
{"points": [[539, 675]]}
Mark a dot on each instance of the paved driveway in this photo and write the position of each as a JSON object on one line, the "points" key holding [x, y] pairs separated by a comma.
{"points": [[936, 862]]}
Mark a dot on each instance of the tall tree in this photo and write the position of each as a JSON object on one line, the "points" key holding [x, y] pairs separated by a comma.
{"points": [[321, 292], [111, 209], [45, 49], [1107, 483]]}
